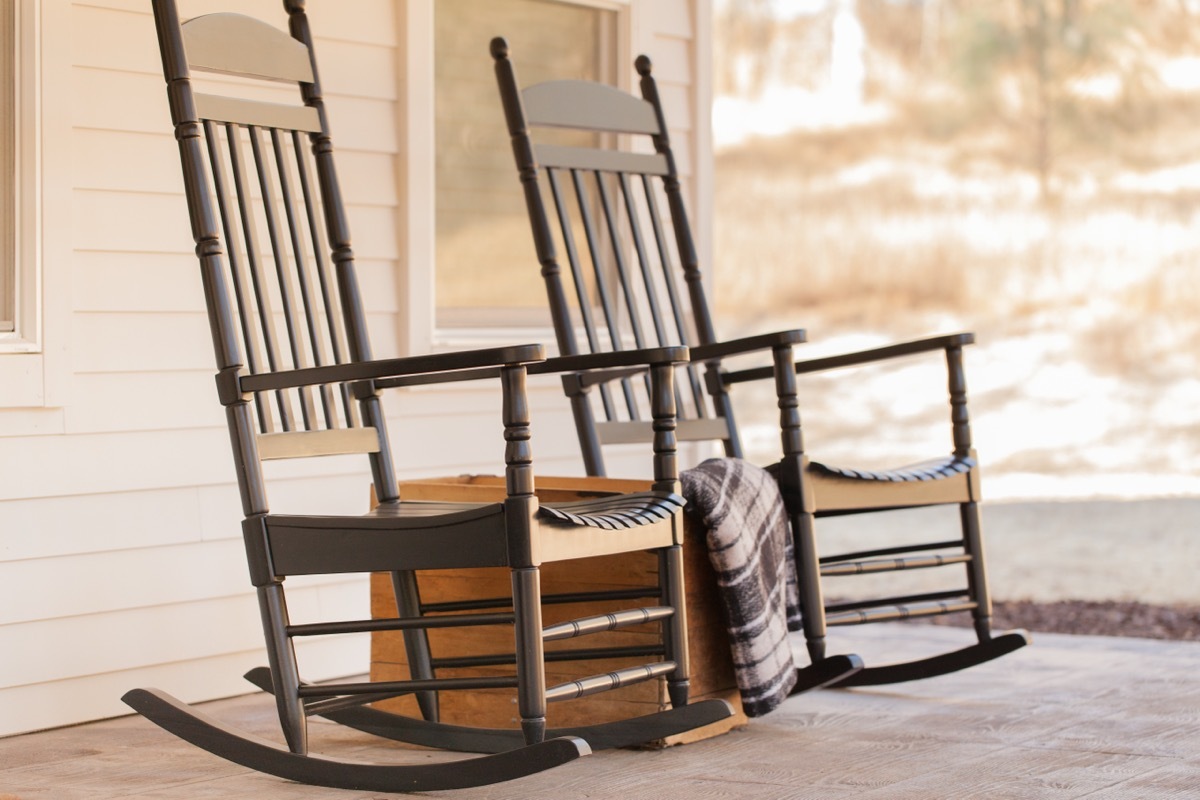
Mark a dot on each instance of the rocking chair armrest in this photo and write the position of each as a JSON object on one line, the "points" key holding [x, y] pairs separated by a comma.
{"points": [[748, 344], [446, 366], [946, 342], [615, 360]]}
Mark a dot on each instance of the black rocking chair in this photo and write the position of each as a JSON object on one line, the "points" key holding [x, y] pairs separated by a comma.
{"points": [[295, 375], [607, 217]]}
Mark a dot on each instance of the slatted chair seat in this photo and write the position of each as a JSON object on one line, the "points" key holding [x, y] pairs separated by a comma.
{"points": [[612, 237], [616, 513], [297, 380], [931, 470]]}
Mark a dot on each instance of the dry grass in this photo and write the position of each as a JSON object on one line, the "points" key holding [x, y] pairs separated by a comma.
{"points": [[1087, 307]]}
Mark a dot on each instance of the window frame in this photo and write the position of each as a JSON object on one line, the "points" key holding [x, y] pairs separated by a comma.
{"points": [[35, 367], [420, 331], [21, 257]]}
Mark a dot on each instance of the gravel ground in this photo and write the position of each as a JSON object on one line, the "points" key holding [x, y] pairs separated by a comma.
{"points": [[1098, 618]]}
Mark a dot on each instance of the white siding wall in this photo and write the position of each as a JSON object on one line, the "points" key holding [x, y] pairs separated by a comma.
{"points": [[121, 562]]}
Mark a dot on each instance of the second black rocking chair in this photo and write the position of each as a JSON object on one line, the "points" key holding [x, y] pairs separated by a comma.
{"points": [[296, 379], [618, 288]]}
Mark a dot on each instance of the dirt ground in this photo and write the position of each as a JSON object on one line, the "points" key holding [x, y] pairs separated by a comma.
{"points": [[1096, 618]]}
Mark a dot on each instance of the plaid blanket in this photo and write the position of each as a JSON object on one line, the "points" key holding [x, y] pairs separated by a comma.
{"points": [[750, 547]]}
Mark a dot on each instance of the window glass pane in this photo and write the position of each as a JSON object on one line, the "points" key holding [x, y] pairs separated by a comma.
{"points": [[487, 271]]}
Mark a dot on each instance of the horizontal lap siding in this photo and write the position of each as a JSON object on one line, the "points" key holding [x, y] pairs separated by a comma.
{"points": [[120, 549], [671, 48], [189, 673], [67, 528], [121, 561], [194, 629]]}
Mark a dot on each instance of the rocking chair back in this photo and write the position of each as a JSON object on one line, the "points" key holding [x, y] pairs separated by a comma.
{"points": [[617, 283]]}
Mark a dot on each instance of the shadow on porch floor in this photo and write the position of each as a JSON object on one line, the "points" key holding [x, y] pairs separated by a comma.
{"points": [[1069, 717]]}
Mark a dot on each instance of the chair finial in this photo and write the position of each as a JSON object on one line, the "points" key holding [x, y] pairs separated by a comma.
{"points": [[499, 48], [643, 66]]}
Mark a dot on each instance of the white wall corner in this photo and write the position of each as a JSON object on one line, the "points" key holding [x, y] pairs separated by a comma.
{"points": [[416, 177], [704, 182]]}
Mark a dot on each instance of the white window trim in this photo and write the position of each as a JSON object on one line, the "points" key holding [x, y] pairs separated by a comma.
{"points": [[419, 331], [34, 367], [25, 182]]}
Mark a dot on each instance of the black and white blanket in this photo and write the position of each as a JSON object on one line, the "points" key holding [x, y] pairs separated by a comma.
{"points": [[750, 547]]}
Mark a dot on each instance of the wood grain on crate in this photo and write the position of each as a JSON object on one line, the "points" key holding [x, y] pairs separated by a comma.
{"points": [[711, 668]]}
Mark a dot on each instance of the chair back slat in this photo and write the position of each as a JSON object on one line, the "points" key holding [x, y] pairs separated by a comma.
{"points": [[570, 157], [257, 112], [599, 271], [633, 221], [301, 444], [312, 316], [329, 301], [285, 279], [577, 275], [619, 259], [589, 105], [625, 283], [240, 45], [604, 294], [259, 307], [244, 295]]}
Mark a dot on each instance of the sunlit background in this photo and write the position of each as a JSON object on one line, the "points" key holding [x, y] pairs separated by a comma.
{"points": [[1025, 169]]}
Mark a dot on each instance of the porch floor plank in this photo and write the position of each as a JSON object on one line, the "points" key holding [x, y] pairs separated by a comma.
{"points": [[1068, 717]]}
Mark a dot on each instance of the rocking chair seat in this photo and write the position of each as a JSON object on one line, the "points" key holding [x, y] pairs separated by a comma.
{"points": [[616, 512], [932, 470]]}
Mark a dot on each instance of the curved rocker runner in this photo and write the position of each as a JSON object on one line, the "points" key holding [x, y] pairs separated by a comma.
{"points": [[264, 756], [829, 671], [940, 664]]}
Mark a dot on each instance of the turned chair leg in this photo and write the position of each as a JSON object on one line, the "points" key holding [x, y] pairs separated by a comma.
{"points": [[977, 582], [675, 628], [284, 669], [531, 670], [416, 642], [812, 599]]}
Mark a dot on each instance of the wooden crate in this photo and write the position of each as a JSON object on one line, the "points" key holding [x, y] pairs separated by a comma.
{"points": [[711, 667]]}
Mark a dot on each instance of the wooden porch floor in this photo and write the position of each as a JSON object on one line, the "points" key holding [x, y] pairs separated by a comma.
{"points": [[1069, 717]]}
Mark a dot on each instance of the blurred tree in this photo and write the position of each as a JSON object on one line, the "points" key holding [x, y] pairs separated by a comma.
{"points": [[1051, 70], [931, 29], [746, 29]]}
